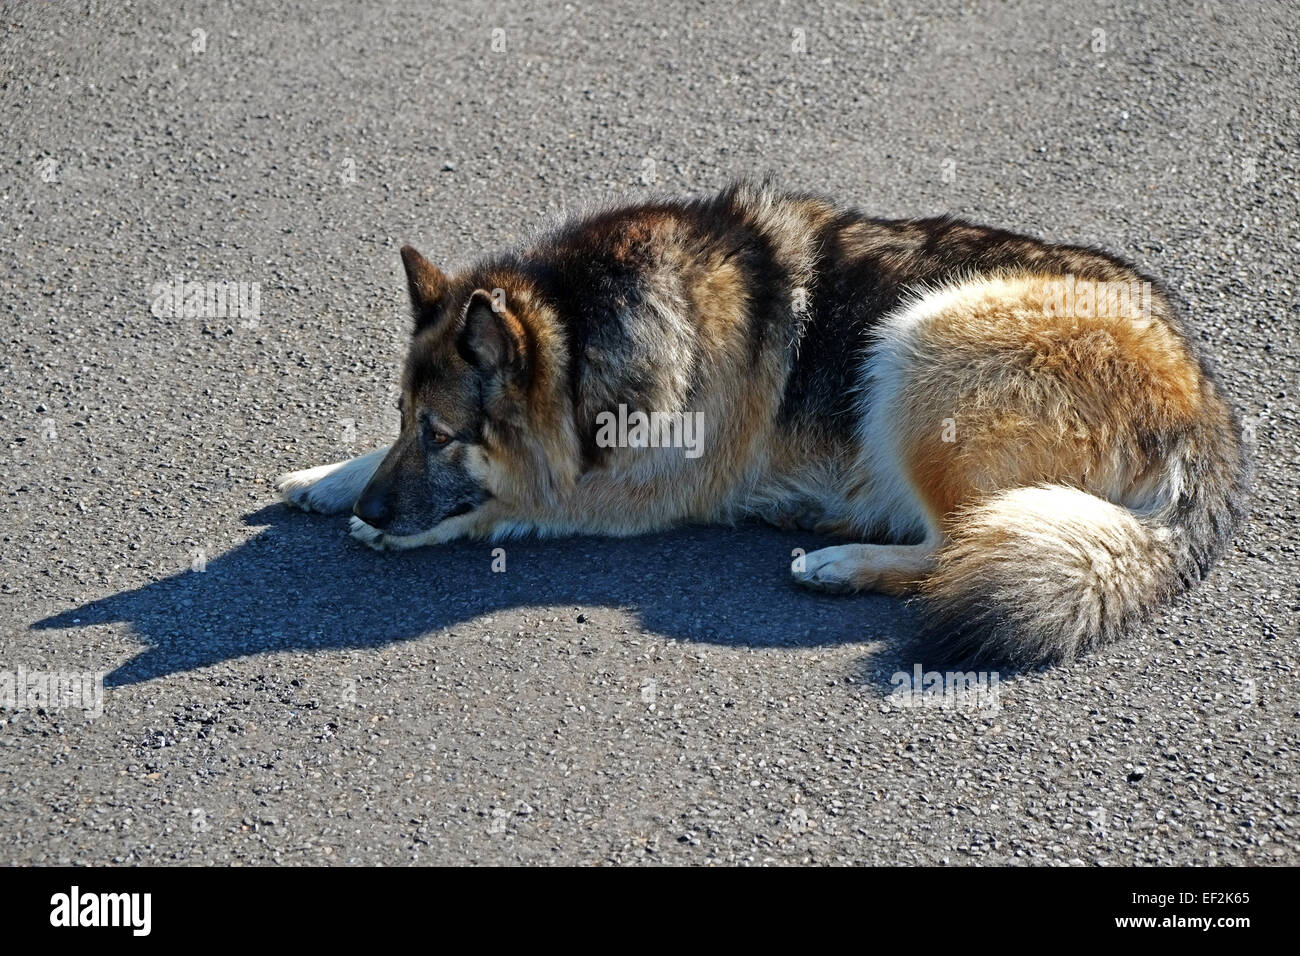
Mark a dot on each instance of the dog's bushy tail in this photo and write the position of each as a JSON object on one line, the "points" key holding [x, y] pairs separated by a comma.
{"points": [[1042, 574]]}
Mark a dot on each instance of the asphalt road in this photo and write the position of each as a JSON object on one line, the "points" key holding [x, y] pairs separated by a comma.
{"points": [[277, 693]]}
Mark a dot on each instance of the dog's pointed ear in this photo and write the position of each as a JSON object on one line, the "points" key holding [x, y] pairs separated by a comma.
{"points": [[493, 338], [427, 286]]}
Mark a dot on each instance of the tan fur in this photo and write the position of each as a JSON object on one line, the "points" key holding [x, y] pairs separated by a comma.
{"points": [[1036, 398]]}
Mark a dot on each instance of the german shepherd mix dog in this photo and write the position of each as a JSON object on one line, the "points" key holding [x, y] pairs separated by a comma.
{"points": [[1024, 431]]}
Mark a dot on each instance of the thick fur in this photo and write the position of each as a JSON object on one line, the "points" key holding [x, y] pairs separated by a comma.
{"points": [[1040, 475]]}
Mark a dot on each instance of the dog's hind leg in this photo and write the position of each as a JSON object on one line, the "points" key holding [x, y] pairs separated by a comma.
{"points": [[897, 569], [329, 489]]}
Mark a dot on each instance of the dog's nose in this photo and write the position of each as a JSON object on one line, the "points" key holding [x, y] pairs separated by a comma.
{"points": [[374, 509]]}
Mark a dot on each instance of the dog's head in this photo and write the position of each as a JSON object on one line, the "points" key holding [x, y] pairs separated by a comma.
{"points": [[473, 390]]}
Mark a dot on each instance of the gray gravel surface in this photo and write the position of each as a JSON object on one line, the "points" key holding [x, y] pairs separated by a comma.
{"points": [[277, 693]]}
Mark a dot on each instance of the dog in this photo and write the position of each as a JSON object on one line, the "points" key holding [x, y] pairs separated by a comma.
{"points": [[1020, 434]]}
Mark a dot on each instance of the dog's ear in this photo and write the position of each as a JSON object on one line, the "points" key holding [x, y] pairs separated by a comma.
{"points": [[493, 338], [427, 285]]}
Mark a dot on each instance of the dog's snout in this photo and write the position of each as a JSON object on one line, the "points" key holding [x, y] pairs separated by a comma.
{"points": [[374, 508]]}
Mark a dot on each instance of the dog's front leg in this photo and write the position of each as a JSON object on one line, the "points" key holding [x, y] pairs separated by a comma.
{"points": [[481, 523], [329, 489]]}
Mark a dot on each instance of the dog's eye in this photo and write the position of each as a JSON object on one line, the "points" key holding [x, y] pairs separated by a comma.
{"points": [[441, 438]]}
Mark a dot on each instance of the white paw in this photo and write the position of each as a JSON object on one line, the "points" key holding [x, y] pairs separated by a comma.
{"points": [[329, 489], [380, 541], [310, 490], [367, 535], [829, 569]]}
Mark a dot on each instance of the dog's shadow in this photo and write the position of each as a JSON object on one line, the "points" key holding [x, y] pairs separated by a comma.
{"points": [[301, 584]]}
